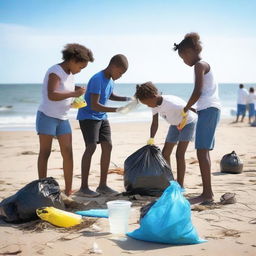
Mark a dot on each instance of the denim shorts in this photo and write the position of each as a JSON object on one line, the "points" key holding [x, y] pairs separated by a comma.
{"points": [[205, 128], [51, 126], [241, 109], [251, 109], [186, 134]]}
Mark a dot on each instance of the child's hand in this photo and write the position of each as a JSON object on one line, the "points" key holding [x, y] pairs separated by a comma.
{"points": [[151, 141], [79, 91], [183, 120]]}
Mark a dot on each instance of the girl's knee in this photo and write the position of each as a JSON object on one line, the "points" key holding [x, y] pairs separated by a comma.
{"points": [[180, 155], [67, 151], [44, 153]]}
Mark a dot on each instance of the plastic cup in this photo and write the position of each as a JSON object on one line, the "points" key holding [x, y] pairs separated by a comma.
{"points": [[119, 212]]}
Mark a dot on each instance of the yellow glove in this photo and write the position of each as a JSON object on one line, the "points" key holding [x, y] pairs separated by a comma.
{"points": [[151, 141], [184, 120], [78, 102]]}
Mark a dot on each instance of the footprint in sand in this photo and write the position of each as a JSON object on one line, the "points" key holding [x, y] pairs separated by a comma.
{"points": [[29, 153]]}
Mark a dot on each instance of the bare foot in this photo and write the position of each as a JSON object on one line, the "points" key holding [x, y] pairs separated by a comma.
{"points": [[88, 193], [201, 200], [69, 192], [105, 190]]}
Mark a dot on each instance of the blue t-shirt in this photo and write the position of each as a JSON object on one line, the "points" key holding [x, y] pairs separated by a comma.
{"points": [[98, 84]]}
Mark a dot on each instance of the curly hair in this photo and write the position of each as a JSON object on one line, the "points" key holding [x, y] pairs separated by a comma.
{"points": [[191, 40], [145, 91], [77, 52]]}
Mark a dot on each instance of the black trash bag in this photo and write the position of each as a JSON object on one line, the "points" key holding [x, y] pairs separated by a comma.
{"points": [[146, 172], [21, 207], [230, 163]]}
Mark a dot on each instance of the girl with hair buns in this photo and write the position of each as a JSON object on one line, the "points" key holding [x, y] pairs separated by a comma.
{"points": [[205, 96]]}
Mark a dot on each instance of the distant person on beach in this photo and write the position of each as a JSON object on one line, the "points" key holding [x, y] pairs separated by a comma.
{"points": [[242, 97], [181, 130], [251, 105], [52, 121], [95, 125], [205, 95]]}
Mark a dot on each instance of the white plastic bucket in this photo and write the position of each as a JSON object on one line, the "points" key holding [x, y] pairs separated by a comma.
{"points": [[119, 212]]}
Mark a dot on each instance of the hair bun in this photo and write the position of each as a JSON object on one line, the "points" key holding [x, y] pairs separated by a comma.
{"points": [[193, 36]]}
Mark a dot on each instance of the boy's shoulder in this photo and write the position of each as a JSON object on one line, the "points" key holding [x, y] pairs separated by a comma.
{"points": [[99, 75]]}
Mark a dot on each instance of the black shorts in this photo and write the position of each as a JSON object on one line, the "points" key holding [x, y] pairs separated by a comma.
{"points": [[95, 131]]}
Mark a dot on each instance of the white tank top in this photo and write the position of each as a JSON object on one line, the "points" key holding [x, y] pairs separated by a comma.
{"points": [[210, 93], [57, 109]]}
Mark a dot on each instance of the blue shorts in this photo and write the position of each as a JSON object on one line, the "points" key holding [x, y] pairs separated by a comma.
{"points": [[186, 134], [51, 126], [251, 109], [205, 128], [241, 109]]}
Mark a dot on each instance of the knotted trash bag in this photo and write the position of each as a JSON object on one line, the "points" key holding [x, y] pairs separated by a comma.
{"points": [[168, 220], [21, 207], [146, 172], [230, 163]]}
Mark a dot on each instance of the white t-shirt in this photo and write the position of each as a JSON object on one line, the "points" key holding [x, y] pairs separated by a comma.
{"points": [[57, 109], [242, 95], [251, 99], [210, 93], [171, 109]]}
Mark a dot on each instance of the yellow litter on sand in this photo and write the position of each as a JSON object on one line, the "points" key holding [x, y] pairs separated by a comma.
{"points": [[78, 102], [59, 217]]}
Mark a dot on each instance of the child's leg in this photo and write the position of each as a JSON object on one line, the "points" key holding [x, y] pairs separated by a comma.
{"points": [[205, 131], [90, 130], [45, 142], [167, 151], [106, 148], [181, 164], [65, 142], [85, 166], [203, 156]]}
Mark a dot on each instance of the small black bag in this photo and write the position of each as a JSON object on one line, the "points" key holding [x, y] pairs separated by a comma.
{"points": [[21, 207], [230, 163], [146, 172]]}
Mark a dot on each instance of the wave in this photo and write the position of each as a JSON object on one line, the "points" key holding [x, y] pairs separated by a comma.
{"points": [[6, 108]]}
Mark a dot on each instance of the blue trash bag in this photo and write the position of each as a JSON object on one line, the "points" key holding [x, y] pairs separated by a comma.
{"points": [[168, 220]]}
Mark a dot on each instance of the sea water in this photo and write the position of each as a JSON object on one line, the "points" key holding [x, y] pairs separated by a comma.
{"points": [[19, 103]]}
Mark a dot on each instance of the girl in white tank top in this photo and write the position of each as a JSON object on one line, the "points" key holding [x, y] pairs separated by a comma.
{"points": [[205, 98]]}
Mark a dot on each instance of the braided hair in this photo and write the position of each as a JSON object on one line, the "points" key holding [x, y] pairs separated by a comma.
{"points": [[145, 91]]}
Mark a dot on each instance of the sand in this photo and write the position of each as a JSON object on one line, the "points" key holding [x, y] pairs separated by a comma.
{"points": [[230, 229]]}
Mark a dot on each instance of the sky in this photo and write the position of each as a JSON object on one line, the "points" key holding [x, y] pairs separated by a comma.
{"points": [[34, 32]]}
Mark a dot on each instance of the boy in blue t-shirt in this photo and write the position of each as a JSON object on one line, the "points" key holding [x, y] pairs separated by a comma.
{"points": [[94, 124]]}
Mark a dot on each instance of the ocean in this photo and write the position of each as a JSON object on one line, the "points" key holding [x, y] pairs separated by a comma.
{"points": [[19, 103]]}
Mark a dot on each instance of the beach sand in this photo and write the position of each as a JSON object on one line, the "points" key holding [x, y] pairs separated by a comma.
{"points": [[230, 229]]}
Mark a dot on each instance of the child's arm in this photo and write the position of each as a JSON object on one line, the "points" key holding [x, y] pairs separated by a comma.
{"points": [[154, 126], [96, 106], [200, 69], [53, 94], [119, 98]]}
